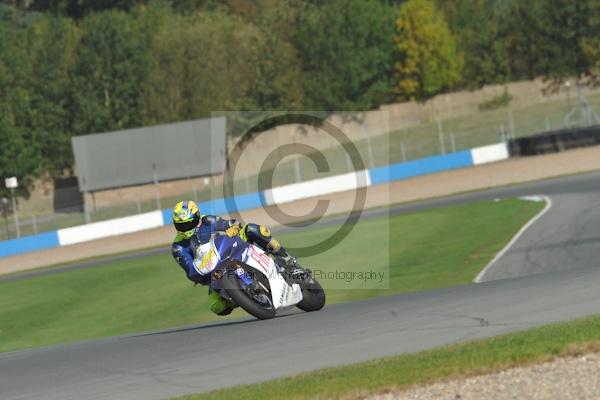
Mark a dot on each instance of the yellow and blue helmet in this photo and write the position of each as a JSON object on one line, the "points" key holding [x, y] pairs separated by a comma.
{"points": [[186, 217]]}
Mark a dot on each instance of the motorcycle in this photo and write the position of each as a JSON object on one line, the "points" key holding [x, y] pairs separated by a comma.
{"points": [[260, 284]]}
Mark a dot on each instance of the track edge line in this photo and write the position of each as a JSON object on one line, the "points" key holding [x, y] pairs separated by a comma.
{"points": [[548, 200]]}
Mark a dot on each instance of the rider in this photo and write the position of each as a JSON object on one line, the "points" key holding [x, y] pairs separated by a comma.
{"points": [[194, 230]]}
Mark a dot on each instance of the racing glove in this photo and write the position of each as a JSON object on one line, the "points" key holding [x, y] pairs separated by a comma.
{"points": [[233, 230]]}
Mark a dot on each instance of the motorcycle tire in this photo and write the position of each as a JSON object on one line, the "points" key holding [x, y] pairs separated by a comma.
{"points": [[313, 295], [231, 284]]}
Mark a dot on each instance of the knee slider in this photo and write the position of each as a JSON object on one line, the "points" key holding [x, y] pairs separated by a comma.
{"points": [[273, 246], [264, 231]]}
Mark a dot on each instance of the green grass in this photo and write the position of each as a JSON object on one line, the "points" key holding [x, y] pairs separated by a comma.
{"points": [[429, 249], [455, 361]]}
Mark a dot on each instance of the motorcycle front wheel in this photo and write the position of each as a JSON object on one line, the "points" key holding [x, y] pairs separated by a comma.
{"points": [[256, 302], [313, 295]]}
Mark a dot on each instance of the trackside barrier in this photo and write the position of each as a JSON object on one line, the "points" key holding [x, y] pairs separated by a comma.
{"points": [[318, 187], [278, 195], [26, 244], [111, 227], [555, 141], [246, 201], [491, 153], [421, 166]]}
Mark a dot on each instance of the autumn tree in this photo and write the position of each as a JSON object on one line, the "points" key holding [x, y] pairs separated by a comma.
{"points": [[429, 61]]}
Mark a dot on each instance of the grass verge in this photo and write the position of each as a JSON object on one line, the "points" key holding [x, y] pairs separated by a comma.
{"points": [[429, 249], [448, 362]]}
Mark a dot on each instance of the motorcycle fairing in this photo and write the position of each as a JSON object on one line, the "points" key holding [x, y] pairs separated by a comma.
{"points": [[283, 295]]}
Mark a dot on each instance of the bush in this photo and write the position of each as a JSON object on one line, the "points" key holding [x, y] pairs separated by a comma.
{"points": [[496, 102]]}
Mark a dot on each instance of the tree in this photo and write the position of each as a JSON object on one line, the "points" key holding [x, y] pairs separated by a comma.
{"points": [[346, 49], [553, 39], [19, 151], [477, 27], [201, 63], [429, 61], [278, 82], [52, 43], [591, 51], [112, 65]]}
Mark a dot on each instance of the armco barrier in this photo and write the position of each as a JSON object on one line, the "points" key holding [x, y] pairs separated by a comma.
{"points": [[350, 181]]}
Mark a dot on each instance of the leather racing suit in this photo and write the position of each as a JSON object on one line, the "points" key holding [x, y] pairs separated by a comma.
{"points": [[185, 250]]}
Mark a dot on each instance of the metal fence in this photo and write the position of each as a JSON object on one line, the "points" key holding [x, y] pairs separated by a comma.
{"points": [[63, 207]]}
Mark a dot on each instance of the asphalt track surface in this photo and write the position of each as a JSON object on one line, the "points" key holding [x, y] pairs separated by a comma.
{"points": [[550, 274]]}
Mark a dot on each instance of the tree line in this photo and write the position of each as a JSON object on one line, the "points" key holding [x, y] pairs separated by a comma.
{"points": [[73, 67]]}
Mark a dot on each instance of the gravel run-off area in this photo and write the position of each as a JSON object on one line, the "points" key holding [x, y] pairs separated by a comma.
{"points": [[563, 378]]}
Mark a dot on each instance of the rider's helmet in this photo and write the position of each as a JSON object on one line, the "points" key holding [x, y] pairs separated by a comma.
{"points": [[186, 217]]}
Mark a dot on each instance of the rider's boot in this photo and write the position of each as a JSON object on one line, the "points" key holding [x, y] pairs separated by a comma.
{"points": [[276, 249], [292, 271], [219, 305]]}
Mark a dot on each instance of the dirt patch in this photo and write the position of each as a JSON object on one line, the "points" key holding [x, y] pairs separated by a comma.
{"points": [[562, 378], [445, 183]]}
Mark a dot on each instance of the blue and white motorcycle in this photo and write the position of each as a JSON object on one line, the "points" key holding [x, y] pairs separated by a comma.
{"points": [[260, 284]]}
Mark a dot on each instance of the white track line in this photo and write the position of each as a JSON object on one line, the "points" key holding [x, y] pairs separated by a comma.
{"points": [[548, 201]]}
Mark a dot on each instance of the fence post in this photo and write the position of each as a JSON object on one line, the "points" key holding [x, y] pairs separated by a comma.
{"points": [[158, 205], [403, 151], [4, 205], [247, 183], [297, 170], [34, 223], [86, 210], [441, 135], [15, 212], [348, 163], [370, 152], [453, 142], [195, 192], [511, 123], [6, 228]]}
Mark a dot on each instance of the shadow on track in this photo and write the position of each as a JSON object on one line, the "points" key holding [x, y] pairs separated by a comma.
{"points": [[214, 325]]}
